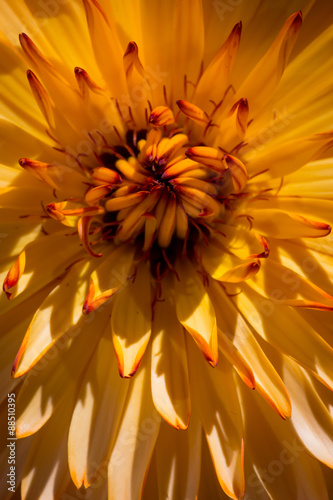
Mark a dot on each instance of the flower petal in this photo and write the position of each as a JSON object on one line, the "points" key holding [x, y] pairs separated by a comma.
{"points": [[178, 457], [195, 311], [285, 286], [47, 326], [231, 324], [135, 440], [131, 323], [218, 70], [48, 456], [276, 161], [50, 381], [170, 383], [267, 73], [281, 462], [274, 323], [106, 46], [311, 419], [279, 224], [216, 400], [97, 414]]}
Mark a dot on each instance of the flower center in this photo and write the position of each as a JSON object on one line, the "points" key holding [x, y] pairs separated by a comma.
{"points": [[159, 194]]}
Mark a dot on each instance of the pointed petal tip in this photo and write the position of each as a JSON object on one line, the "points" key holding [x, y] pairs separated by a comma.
{"points": [[237, 29], [131, 47]]}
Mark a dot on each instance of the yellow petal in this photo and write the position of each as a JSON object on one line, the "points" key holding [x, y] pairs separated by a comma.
{"points": [[279, 224], [276, 161], [189, 26], [194, 112], [218, 70], [274, 322], [299, 205], [231, 324], [48, 454], [167, 225], [50, 381], [135, 440], [216, 400], [210, 157], [14, 274], [97, 414], [233, 127], [267, 73], [236, 359], [195, 311], [282, 455], [285, 286], [169, 378], [178, 457], [237, 170], [38, 270], [161, 116], [42, 98], [106, 46], [225, 266], [131, 322], [311, 419], [46, 327]]}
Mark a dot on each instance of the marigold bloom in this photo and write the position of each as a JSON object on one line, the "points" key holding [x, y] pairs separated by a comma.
{"points": [[166, 209]]}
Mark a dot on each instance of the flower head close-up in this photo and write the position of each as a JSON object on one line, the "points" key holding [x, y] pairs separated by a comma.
{"points": [[166, 203]]}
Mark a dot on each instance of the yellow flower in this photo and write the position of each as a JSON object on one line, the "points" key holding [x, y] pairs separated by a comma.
{"points": [[166, 204]]}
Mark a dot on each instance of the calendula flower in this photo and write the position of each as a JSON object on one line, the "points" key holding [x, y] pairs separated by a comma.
{"points": [[165, 248]]}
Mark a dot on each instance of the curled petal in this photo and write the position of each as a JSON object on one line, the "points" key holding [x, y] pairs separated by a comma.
{"points": [[14, 274], [83, 229], [103, 175], [237, 170], [210, 157], [241, 273], [42, 98], [161, 116], [94, 301], [194, 112], [86, 83]]}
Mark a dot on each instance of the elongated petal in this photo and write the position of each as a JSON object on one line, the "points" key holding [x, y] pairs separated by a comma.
{"points": [[276, 161], [170, 383], [38, 270], [189, 26], [14, 274], [178, 457], [286, 286], [50, 381], [313, 208], [282, 225], [218, 71], [232, 325], [211, 157], [216, 400], [274, 322], [131, 323], [311, 419], [267, 73], [97, 414], [195, 311], [237, 360], [134, 444], [106, 46], [48, 455], [282, 451], [46, 327], [42, 98]]}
